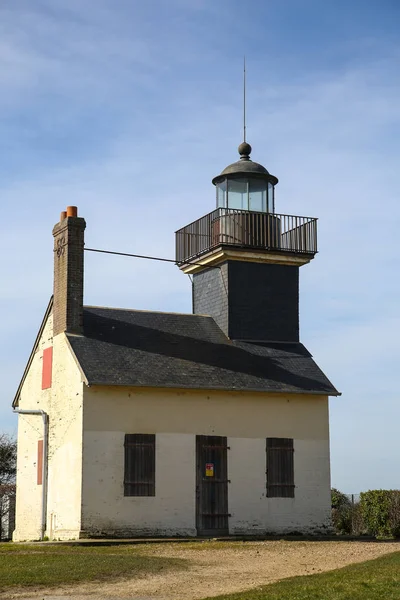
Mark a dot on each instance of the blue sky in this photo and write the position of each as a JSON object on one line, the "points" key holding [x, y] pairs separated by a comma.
{"points": [[128, 109]]}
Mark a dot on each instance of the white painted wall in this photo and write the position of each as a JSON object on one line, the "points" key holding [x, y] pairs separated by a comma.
{"points": [[170, 512], [251, 510], [176, 417], [30, 430], [65, 445], [63, 403], [247, 502]]}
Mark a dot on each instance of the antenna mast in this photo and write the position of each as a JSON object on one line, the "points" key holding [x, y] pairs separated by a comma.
{"points": [[244, 98]]}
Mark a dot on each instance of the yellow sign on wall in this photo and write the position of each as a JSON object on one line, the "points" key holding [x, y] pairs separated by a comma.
{"points": [[209, 469]]}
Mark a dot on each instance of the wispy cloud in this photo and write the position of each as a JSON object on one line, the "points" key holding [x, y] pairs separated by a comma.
{"points": [[129, 113]]}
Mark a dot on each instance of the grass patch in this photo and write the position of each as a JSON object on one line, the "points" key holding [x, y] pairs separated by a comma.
{"points": [[377, 579], [30, 565]]}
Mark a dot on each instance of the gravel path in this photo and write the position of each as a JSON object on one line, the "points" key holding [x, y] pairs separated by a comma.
{"points": [[217, 568]]}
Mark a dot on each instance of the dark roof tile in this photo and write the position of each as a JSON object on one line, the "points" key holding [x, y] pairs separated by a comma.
{"points": [[151, 349]]}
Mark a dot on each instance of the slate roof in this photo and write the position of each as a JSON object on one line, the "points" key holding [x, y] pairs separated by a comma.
{"points": [[153, 349]]}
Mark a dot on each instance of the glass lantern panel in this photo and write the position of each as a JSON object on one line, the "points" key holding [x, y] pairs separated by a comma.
{"points": [[238, 196], [258, 195], [271, 199], [221, 194]]}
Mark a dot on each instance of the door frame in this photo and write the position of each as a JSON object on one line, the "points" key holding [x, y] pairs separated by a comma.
{"points": [[212, 517]]}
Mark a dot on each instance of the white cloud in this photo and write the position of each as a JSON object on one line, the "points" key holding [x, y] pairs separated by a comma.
{"points": [[330, 138]]}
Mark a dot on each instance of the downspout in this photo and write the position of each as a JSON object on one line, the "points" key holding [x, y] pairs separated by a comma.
{"points": [[45, 418]]}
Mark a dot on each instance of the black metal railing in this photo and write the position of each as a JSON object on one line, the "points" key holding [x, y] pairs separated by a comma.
{"points": [[246, 229]]}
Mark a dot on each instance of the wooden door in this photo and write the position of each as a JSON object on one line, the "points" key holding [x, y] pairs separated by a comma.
{"points": [[211, 485]]}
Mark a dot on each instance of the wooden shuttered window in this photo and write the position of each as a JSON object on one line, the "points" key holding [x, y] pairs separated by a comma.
{"points": [[280, 468], [140, 464]]}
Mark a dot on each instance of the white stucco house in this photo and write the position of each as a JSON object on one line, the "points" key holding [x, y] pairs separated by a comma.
{"points": [[136, 423]]}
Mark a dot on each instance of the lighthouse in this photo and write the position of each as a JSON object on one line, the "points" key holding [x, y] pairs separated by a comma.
{"points": [[245, 257]]}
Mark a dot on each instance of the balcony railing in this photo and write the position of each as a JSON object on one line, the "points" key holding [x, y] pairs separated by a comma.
{"points": [[245, 229]]}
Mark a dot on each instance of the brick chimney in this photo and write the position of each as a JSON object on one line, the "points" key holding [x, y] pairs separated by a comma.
{"points": [[68, 272]]}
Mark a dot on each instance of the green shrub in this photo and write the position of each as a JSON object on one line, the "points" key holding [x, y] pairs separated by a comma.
{"points": [[341, 512], [394, 513], [357, 521], [380, 511], [339, 500]]}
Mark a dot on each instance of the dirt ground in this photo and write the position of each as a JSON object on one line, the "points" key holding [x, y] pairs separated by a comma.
{"points": [[217, 568]]}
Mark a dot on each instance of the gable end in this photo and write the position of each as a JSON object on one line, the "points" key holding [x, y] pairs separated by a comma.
{"points": [[49, 309]]}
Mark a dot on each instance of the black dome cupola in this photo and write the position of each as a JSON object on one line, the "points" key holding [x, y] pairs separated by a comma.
{"points": [[246, 185]]}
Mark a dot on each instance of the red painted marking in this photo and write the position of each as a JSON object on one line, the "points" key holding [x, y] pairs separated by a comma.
{"points": [[47, 368]]}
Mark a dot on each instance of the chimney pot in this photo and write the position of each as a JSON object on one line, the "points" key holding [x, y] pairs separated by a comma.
{"points": [[63, 215], [72, 211]]}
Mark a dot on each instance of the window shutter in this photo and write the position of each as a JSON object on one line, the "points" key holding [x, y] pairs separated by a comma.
{"points": [[140, 464], [280, 468], [47, 368]]}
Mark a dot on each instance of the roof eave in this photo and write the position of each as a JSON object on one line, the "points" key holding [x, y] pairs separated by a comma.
{"points": [[253, 174], [332, 392]]}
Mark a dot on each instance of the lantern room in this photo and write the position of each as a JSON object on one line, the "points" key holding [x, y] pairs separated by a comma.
{"points": [[246, 185], [245, 220]]}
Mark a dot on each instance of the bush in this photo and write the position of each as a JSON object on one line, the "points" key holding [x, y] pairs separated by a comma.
{"points": [[341, 512], [339, 500], [357, 521], [380, 510]]}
